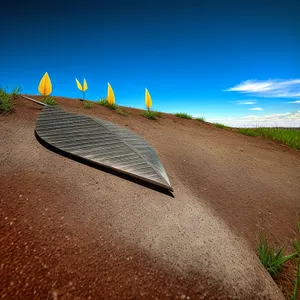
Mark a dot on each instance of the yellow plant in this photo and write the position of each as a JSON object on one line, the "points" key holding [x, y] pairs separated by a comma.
{"points": [[83, 87], [148, 99], [110, 95], [45, 85]]}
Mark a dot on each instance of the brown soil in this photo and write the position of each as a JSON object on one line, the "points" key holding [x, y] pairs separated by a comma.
{"points": [[70, 231]]}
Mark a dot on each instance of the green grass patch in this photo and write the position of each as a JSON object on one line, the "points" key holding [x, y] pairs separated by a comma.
{"points": [[296, 245], [201, 119], [222, 126], [49, 100], [183, 115], [6, 99], [297, 282], [271, 259], [87, 104], [151, 115], [104, 102], [249, 131], [6, 103], [289, 137]]}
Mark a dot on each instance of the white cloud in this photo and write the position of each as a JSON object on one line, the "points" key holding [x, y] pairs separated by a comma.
{"points": [[272, 88], [289, 119], [270, 117], [246, 102], [297, 101], [256, 108]]}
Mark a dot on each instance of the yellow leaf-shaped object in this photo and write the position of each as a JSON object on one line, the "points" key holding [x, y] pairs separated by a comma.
{"points": [[85, 86], [45, 86], [110, 95], [148, 100], [79, 85]]}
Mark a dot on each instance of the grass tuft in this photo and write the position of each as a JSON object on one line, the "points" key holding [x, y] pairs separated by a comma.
{"points": [[183, 115], [16, 92], [104, 102], [151, 115], [297, 281], [49, 100], [6, 103], [87, 104], [201, 119], [289, 137], [271, 259]]}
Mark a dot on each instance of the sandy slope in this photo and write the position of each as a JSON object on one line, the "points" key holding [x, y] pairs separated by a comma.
{"points": [[69, 231]]}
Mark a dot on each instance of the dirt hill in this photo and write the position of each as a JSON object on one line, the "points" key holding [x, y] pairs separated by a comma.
{"points": [[70, 231]]}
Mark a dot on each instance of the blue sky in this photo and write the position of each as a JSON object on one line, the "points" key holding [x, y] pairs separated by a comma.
{"points": [[203, 58]]}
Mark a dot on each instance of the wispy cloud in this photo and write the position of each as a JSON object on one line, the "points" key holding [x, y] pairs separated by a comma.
{"points": [[272, 88], [246, 102], [289, 119], [297, 101], [273, 116], [256, 108]]}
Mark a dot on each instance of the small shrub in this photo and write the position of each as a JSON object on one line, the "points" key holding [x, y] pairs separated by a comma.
{"points": [[151, 115], [183, 115], [5, 100], [49, 100], [87, 104]]}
